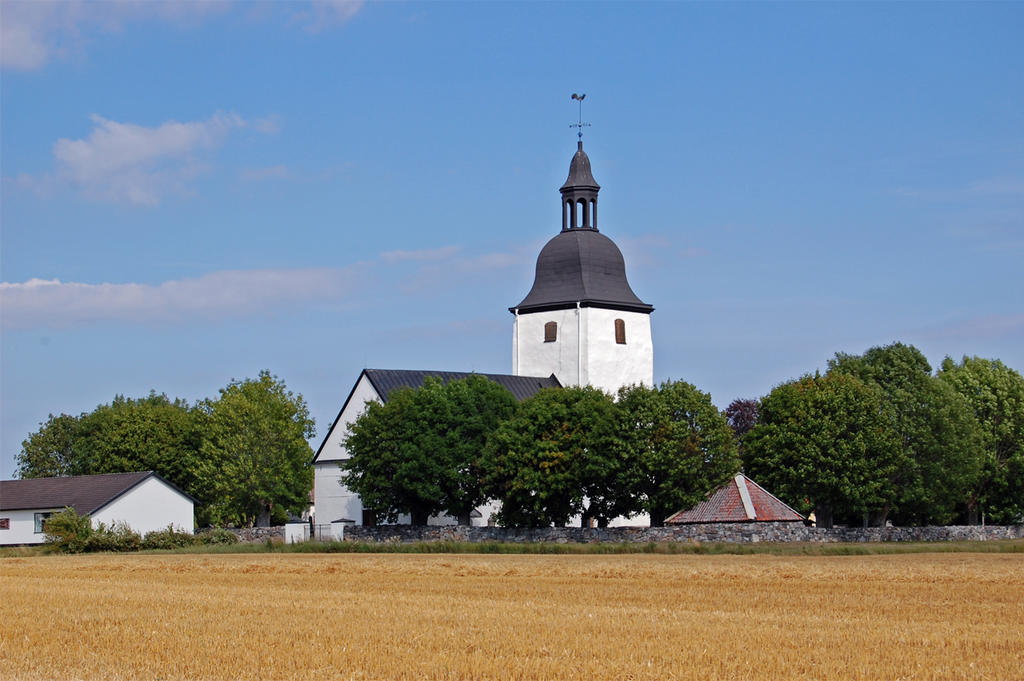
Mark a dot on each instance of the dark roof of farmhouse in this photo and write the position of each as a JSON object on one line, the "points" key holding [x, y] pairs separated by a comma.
{"points": [[84, 493], [741, 500], [521, 387]]}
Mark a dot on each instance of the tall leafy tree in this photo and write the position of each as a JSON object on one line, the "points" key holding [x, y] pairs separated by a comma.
{"points": [[678, 447], [557, 457], [256, 460], [420, 453], [742, 416], [995, 393], [824, 443], [149, 433], [51, 451], [938, 436]]}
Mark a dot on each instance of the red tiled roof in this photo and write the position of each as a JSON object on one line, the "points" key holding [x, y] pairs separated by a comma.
{"points": [[741, 500]]}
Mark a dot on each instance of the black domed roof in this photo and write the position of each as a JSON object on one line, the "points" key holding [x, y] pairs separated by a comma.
{"points": [[581, 266]]}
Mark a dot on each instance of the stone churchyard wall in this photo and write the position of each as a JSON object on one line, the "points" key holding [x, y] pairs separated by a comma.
{"points": [[249, 535], [710, 532]]}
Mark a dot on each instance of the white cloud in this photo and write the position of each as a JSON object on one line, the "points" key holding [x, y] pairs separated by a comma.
{"points": [[693, 252], [321, 15], [989, 326], [125, 162], [35, 32], [278, 172], [442, 253], [223, 294], [32, 33], [1007, 186]]}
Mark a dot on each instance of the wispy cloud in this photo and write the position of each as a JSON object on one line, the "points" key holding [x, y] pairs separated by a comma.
{"points": [[130, 163], [322, 15], [987, 326], [991, 187], [278, 172], [52, 303], [34, 33], [225, 294], [427, 254], [446, 267]]}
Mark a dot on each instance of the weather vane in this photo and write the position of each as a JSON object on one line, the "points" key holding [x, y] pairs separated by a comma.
{"points": [[579, 124]]}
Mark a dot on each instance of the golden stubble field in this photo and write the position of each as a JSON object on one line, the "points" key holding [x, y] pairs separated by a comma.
{"points": [[305, 616]]}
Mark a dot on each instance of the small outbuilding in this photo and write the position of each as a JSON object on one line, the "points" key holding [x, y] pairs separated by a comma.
{"points": [[144, 501], [741, 500]]}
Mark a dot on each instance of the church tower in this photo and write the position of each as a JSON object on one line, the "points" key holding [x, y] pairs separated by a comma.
{"points": [[581, 321]]}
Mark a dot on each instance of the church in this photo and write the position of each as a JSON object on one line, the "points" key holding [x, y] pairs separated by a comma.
{"points": [[580, 324]]}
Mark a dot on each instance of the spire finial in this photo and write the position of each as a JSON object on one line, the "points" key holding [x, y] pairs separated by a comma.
{"points": [[579, 124]]}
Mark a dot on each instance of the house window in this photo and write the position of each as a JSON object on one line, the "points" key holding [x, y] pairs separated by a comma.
{"points": [[551, 332], [40, 519], [620, 332], [5, 523]]}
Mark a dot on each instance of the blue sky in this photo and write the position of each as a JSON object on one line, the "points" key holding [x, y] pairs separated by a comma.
{"points": [[193, 192]]}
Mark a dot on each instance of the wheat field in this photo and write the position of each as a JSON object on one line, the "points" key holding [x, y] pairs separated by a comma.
{"points": [[308, 616]]}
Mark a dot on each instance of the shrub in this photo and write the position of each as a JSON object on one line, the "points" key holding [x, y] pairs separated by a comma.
{"points": [[217, 535], [169, 538], [67, 531], [118, 537]]}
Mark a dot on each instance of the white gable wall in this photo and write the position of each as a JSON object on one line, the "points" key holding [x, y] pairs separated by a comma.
{"points": [[150, 505], [331, 499]]}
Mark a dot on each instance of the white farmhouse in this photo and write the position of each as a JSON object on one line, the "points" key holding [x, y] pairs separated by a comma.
{"points": [[144, 501], [580, 324]]}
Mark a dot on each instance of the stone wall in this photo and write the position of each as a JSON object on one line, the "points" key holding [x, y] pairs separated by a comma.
{"points": [[711, 532], [248, 535]]}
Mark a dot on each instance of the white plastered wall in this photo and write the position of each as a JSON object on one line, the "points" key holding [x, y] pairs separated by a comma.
{"points": [[608, 365], [22, 526], [332, 500], [531, 356], [598, 360], [150, 505]]}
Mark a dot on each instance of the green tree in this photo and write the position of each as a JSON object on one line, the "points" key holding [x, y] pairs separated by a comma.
{"points": [[677, 445], [256, 463], [938, 462], [50, 451], [995, 393], [420, 452], [824, 443], [557, 457], [149, 433]]}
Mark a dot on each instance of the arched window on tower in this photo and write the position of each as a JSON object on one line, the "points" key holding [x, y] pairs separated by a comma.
{"points": [[620, 332], [551, 332]]}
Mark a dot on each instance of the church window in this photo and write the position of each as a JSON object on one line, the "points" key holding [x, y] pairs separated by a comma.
{"points": [[620, 332], [551, 332]]}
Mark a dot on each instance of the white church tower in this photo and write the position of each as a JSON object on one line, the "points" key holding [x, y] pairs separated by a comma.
{"points": [[581, 321]]}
